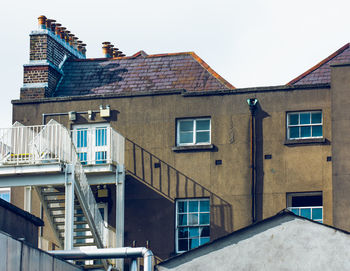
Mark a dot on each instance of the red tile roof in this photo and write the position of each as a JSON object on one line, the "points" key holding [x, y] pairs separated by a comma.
{"points": [[321, 73], [139, 72]]}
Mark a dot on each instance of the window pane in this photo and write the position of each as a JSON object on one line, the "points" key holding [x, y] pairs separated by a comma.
{"points": [[203, 125], [202, 137], [5, 196], [101, 136], [293, 119], [186, 137], [183, 232], [193, 219], [194, 232], [204, 205], [316, 117], [317, 130], [204, 240], [294, 132], [183, 245], [193, 206], [194, 243], [182, 206], [186, 125], [81, 138], [304, 118], [317, 213], [306, 213], [205, 231], [295, 211], [204, 219], [305, 131], [182, 220]]}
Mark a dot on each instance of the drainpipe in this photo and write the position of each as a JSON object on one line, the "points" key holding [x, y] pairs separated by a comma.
{"points": [[252, 102], [108, 253]]}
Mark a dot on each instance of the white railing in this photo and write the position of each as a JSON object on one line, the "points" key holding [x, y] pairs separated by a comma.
{"points": [[47, 143], [312, 212], [53, 143]]}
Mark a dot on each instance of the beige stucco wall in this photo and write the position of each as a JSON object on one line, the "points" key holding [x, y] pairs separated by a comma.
{"points": [[150, 121]]}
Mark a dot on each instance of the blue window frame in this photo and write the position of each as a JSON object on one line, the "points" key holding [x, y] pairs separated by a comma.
{"points": [[192, 223], [303, 125]]}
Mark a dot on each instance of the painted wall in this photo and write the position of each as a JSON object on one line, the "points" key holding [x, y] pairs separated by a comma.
{"points": [[285, 243], [150, 121]]}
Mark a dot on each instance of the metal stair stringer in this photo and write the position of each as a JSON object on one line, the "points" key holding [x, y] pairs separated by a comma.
{"points": [[49, 216]]}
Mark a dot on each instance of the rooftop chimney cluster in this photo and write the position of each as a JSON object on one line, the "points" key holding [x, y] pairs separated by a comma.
{"points": [[62, 32], [109, 50]]}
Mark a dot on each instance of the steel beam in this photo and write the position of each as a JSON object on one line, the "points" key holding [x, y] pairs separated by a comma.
{"points": [[120, 202], [69, 209]]}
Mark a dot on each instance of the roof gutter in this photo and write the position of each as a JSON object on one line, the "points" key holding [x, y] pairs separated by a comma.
{"points": [[108, 253]]}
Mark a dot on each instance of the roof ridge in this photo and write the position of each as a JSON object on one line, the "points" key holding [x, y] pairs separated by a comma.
{"points": [[211, 71], [324, 61]]}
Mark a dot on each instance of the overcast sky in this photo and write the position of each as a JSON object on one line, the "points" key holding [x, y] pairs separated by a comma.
{"points": [[249, 43]]}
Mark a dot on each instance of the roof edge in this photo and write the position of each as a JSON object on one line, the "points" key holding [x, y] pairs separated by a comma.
{"points": [[330, 57], [211, 71]]}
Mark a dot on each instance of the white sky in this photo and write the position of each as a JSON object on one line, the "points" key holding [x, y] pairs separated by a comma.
{"points": [[248, 42]]}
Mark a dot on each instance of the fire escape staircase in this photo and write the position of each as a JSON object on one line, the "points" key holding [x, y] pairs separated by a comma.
{"points": [[70, 207]]}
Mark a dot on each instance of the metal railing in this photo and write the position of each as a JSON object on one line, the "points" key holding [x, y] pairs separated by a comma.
{"points": [[311, 212], [53, 143], [47, 143]]}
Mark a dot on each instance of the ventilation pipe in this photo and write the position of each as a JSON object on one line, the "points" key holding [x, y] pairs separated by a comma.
{"points": [[108, 253]]}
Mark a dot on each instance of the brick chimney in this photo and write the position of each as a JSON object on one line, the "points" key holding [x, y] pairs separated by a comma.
{"points": [[50, 47]]}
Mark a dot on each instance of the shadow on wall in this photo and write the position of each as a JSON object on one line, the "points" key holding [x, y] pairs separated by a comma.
{"points": [[259, 118], [172, 184]]}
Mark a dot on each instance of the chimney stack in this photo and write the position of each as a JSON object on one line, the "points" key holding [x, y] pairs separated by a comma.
{"points": [[50, 46]]}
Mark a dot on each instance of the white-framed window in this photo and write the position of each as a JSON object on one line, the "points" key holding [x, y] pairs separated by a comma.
{"points": [[192, 223], [93, 143], [195, 131], [303, 125], [5, 194], [306, 204]]}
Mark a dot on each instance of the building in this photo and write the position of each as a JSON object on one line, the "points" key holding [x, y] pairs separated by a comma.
{"points": [[170, 153], [282, 242]]}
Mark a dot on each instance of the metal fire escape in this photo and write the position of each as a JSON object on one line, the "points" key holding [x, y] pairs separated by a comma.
{"points": [[45, 157]]}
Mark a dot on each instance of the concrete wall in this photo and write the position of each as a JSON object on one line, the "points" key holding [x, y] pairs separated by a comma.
{"points": [[18, 256], [150, 121], [285, 243]]}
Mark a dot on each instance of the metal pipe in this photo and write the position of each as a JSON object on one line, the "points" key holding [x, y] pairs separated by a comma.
{"points": [[44, 115], [108, 253], [252, 102]]}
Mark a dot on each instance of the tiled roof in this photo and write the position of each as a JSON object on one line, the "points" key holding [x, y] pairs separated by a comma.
{"points": [[321, 73], [140, 72]]}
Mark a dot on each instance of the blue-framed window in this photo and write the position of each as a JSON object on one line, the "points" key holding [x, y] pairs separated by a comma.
{"points": [[192, 223], [5, 194], [308, 204], [303, 125]]}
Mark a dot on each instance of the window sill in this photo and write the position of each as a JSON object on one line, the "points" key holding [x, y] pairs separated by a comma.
{"points": [[308, 141], [194, 148]]}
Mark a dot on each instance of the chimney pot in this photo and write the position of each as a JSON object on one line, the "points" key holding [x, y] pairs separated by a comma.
{"points": [[57, 29], [106, 49], [42, 22], [48, 23]]}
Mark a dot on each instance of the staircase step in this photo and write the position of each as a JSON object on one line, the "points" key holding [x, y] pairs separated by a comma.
{"points": [[84, 245], [76, 230], [62, 208], [83, 237], [48, 194], [75, 223], [62, 215], [49, 201]]}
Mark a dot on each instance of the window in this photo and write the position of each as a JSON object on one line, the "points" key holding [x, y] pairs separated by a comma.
{"points": [[302, 125], [5, 194], [193, 131], [308, 205], [192, 223], [92, 143]]}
